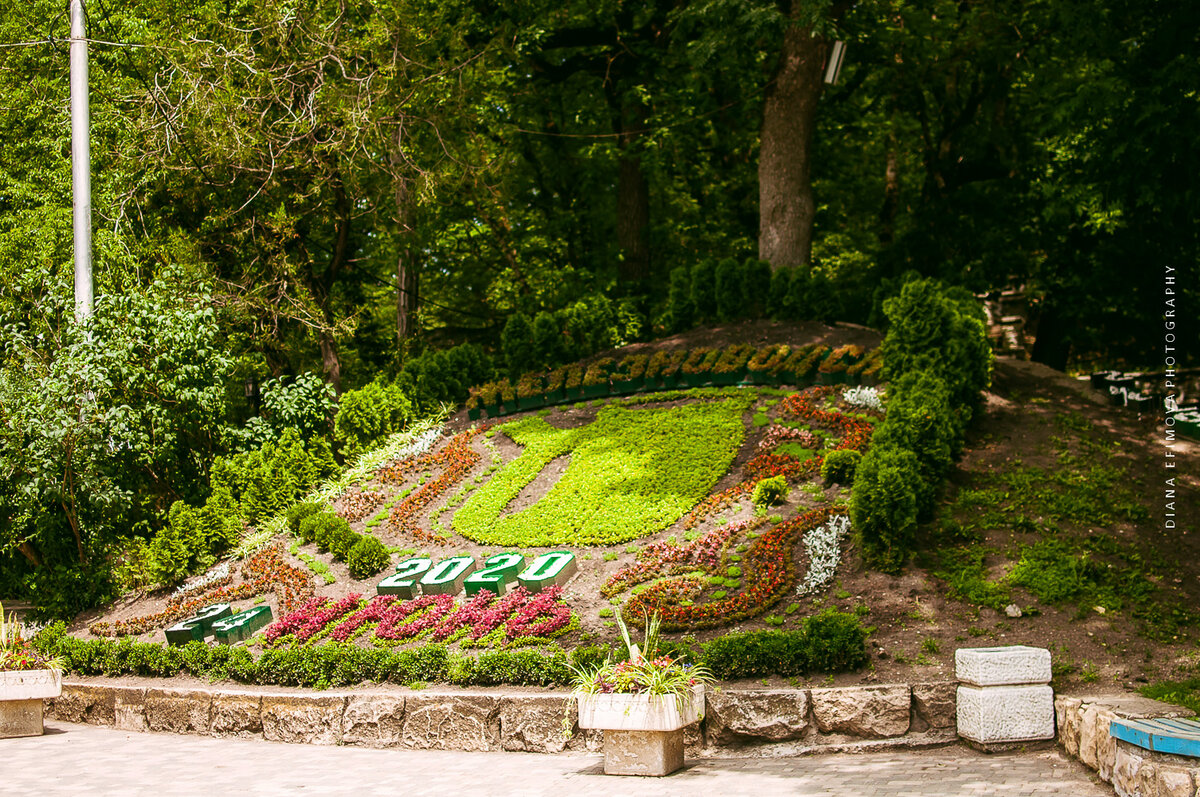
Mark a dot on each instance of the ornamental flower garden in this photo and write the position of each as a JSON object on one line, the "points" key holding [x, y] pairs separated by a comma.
{"points": [[527, 531]]}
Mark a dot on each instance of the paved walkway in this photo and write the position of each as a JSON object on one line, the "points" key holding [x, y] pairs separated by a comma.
{"points": [[90, 760]]}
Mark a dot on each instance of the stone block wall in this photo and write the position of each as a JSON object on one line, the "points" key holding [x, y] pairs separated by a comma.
{"points": [[758, 722], [1133, 772]]}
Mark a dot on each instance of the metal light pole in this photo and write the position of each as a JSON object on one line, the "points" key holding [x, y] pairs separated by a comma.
{"points": [[81, 163]]}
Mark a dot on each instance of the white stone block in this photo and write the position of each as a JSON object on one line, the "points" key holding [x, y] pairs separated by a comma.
{"points": [[1015, 664], [1001, 714]]}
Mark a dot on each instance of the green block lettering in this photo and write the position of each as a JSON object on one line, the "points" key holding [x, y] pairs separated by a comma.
{"points": [[555, 567], [448, 577], [499, 571], [403, 582]]}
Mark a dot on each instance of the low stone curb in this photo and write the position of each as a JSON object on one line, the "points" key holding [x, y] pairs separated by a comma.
{"points": [[742, 723], [1133, 772]]}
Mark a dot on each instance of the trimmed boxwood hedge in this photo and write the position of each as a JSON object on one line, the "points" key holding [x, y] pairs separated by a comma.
{"points": [[828, 642]]}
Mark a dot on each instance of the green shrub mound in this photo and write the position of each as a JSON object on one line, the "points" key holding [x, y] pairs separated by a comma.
{"points": [[829, 642], [367, 557], [840, 466], [769, 491], [883, 506], [297, 513], [938, 359], [369, 414], [632, 472], [315, 666]]}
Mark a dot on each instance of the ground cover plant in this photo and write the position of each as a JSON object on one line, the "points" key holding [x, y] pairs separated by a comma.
{"points": [[632, 472]]}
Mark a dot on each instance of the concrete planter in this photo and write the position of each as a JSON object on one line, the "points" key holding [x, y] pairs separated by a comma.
{"points": [[21, 695], [643, 734]]}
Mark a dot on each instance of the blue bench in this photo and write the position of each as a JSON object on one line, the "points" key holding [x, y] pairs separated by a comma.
{"points": [[1178, 737]]}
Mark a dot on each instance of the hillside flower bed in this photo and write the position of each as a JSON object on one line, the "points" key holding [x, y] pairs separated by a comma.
{"points": [[691, 591], [454, 461], [265, 571], [481, 620], [707, 553], [632, 472], [768, 573]]}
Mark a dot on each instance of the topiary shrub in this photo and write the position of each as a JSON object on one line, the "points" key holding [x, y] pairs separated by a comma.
{"points": [[731, 293], [296, 513], [749, 654], [704, 291], [757, 280], [308, 527], [548, 339], [930, 329], [779, 300], [834, 642], [680, 311], [883, 506], [167, 556], [921, 420], [516, 342], [367, 557], [839, 466], [342, 539], [769, 491], [369, 414], [323, 528]]}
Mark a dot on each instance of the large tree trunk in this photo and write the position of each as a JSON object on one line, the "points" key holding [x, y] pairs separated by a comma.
{"points": [[785, 199], [330, 359], [406, 266], [633, 201]]}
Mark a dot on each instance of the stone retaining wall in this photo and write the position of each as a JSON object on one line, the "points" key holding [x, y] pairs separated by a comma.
{"points": [[1133, 772], [759, 722]]}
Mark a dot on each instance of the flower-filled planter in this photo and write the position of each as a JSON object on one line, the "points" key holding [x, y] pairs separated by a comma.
{"points": [[474, 408], [595, 380], [26, 679], [531, 394], [21, 696], [730, 367], [642, 705], [555, 386], [641, 712]]}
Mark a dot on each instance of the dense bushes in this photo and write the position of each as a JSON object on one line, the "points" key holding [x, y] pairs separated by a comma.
{"points": [[840, 465], [828, 642], [725, 291], [246, 488], [577, 331], [304, 404], [363, 553], [937, 357], [367, 557], [932, 329], [314, 666], [369, 414], [444, 376], [769, 491]]}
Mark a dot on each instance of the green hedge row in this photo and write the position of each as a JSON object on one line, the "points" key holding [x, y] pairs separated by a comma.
{"points": [[938, 361], [829, 642]]}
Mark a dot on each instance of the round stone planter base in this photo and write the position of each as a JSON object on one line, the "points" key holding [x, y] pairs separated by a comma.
{"points": [[20, 718], [649, 753]]}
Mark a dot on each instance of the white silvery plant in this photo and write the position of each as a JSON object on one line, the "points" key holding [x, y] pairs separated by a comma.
{"points": [[824, 546], [867, 397], [216, 574]]}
